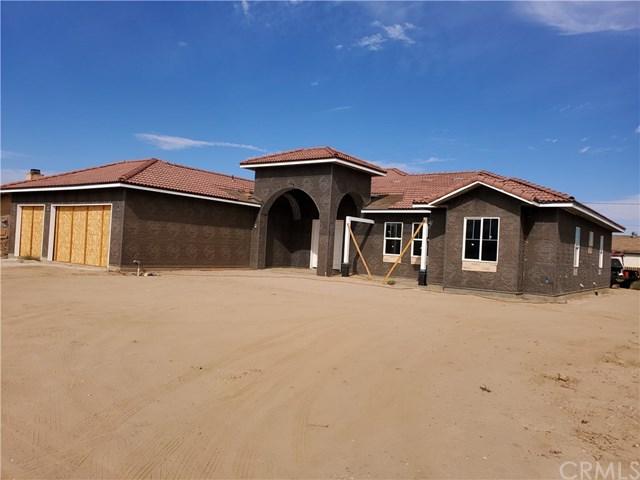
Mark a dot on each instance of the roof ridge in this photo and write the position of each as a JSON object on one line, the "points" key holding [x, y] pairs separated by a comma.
{"points": [[138, 169], [234, 177], [77, 171], [541, 187], [441, 173], [282, 152]]}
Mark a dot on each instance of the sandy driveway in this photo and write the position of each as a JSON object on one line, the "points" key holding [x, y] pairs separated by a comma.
{"points": [[277, 374]]}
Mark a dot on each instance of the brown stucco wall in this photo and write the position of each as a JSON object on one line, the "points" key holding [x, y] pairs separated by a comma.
{"points": [[325, 184], [114, 196], [371, 241], [587, 275], [171, 231], [484, 202], [541, 239], [549, 246], [5, 203]]}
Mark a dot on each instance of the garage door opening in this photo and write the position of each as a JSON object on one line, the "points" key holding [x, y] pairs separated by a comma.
{"points": [[82, 234], [31, 227]]}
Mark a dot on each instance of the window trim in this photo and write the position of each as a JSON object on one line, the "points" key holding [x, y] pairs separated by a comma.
{"points": [[464, 240], [418, 239], [601, 252], [591, 242], [576, 247], [385, 238]]}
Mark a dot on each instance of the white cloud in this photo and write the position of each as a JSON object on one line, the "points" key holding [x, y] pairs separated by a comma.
{"points": [[584, 139], [339, 46], [551, 140], [432, 159], [601, 150], [9, 155], [182, 43], [625, 211], [416, 165], [167, 142], [398, 31], [315, 83], [638, 129], [341, 108], [245, 7], [574, 18], [10, 175], [372, 42]]}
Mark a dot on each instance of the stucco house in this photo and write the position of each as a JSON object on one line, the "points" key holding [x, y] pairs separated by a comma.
{"points": [[473, 230], [627, 246]]}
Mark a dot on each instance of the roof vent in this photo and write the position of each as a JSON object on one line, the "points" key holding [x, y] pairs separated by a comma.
{"points": [[33, 174]]}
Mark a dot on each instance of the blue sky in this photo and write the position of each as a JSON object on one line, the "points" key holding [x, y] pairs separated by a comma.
{"points": [[546, 91]]}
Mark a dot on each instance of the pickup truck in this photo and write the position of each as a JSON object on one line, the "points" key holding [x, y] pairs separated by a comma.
{"points": [[621, 275], [617, 277]]}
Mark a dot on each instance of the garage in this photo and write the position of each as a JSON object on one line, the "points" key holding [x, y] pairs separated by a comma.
{"points": [[82, 234], [31, 226]]}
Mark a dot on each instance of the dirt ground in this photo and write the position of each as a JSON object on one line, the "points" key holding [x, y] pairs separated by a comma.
{"points": [[281, 374]]}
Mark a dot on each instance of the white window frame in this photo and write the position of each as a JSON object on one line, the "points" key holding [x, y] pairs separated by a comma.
{"points": [[601, 252], [385, 238], [576, 248], [590, 245], [464, 240], [418, 239]]}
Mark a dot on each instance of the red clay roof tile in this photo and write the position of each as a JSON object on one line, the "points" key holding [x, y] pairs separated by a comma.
{"points": [[152, 173], [313, 153], [410, 189]]}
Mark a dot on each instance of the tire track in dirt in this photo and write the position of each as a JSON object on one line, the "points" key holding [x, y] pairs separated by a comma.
{"points": [[302, 402], [100, 428], [243, 397]]}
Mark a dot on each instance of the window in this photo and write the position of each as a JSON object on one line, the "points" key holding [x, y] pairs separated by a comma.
{"points": [[481, 239], [416, 246], [601, 252], [590, 247], [576, 249], [392, 238]]}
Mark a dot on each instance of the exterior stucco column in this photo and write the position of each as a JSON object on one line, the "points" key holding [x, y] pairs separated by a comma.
{"points": [[325, 244], [258, 253]]}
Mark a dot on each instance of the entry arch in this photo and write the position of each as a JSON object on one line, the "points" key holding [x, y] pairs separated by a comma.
{"points": [[290, 215]]}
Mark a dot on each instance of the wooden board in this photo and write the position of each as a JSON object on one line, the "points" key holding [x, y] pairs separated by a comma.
{"points": [[82, 234], [31, 224], [62, 250]]}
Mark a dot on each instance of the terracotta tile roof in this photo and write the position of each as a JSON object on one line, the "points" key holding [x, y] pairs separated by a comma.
{"points": [[408, 189], [152, 173], [313, 153], [625, 244]]}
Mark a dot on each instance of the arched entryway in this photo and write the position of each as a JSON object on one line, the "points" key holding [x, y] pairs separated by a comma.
{"points": [[289, 228]]}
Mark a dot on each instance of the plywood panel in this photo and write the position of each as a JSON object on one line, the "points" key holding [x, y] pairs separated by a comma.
{"points": [[82, 234], [36, 233], [78, 234], [106, 235], [94, 236], [31, 223], [26, 226], [64, 219]]}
